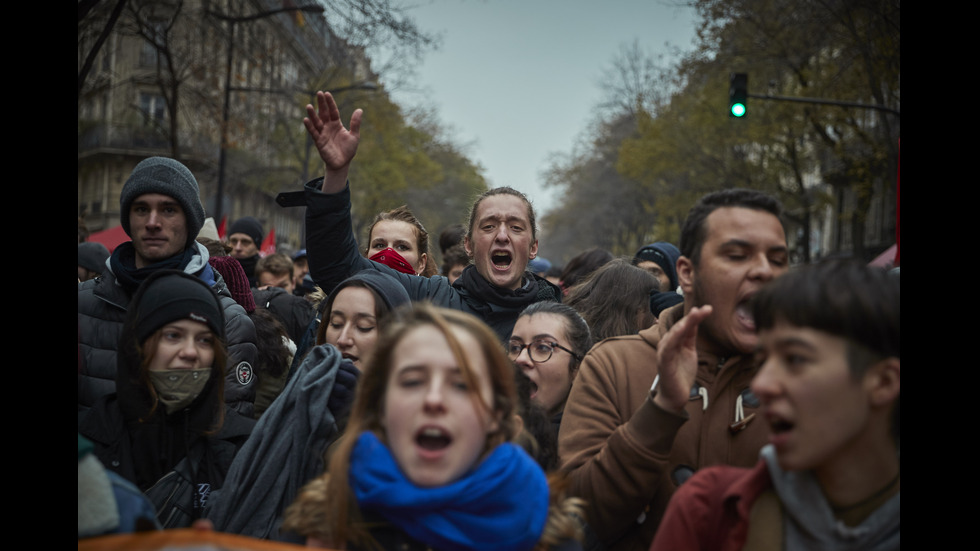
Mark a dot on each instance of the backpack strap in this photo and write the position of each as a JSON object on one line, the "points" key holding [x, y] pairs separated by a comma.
{"points": [[765, 524]]}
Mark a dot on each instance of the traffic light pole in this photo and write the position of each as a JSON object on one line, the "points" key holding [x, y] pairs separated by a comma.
{"points": [[828, 102]]}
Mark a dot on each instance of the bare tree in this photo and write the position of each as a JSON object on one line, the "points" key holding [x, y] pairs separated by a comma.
{"points": [[94, 28]]}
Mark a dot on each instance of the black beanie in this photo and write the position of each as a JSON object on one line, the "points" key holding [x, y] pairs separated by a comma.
{"points": [[170, 178], [173, 295], [249, 226]]}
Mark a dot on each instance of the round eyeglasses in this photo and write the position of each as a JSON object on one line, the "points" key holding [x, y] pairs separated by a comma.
{"points": [[539, 350]]}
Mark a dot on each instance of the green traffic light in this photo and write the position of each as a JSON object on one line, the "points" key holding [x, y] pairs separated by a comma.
{"points": [[738, 109]]}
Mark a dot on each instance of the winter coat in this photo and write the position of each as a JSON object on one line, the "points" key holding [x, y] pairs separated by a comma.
{"points": [[333, 256], [105, 426], [626, 456], [102, 307], [176, 457]]}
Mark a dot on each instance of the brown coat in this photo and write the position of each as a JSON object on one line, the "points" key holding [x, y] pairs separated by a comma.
{"points": [[625, 454]]}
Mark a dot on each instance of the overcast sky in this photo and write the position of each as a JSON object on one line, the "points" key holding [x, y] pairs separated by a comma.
{"points": [[518, 79]]}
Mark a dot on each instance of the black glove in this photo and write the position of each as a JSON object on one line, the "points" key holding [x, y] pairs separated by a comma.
{"points": [[343, 389]]}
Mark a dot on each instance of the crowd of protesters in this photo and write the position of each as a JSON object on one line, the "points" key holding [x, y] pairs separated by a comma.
{"points": [[704, 395]]}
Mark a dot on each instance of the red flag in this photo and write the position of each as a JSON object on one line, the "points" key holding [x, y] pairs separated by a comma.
{"points": [[221, 227], [269, 244]]}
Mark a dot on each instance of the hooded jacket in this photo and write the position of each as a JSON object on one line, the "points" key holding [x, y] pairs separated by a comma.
{"points": [[102, 304], [333, 257], [626, 456]]}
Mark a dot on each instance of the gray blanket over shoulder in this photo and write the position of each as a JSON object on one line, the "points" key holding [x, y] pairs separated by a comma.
{"points": [[284, 451]]}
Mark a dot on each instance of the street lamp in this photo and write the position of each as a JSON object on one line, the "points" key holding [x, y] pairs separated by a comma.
{"points": [[232, 21]]}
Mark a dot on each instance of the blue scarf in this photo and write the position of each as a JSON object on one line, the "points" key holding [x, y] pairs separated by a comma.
{"points": [[502, 505]]}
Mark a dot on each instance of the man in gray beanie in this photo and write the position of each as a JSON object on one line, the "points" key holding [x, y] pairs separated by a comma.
{"points": [[160, 210]]}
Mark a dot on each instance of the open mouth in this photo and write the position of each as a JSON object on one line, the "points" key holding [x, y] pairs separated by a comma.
{"points": [[743, 313], [433, 439], [779, 425], [350, 357], [534, 389], [501, 260]]}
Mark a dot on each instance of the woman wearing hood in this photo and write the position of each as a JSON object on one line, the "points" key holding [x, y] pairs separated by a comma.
{"points": [[289, 443], [168, 414]]}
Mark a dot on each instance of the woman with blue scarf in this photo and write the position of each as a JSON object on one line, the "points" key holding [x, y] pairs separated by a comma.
{"points": [[427, 460]]}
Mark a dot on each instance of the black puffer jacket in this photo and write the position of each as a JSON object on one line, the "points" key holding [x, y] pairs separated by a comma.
{"points": [[102, 307], [187, 451]]}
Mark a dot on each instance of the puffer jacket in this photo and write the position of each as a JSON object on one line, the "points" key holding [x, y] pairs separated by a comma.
{"points": [[101, 312]]}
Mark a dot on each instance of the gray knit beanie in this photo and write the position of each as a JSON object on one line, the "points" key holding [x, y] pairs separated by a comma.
{"points": [[170, 178]]}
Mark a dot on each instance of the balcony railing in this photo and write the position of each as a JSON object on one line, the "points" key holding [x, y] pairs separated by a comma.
{"points": [[95, 137]]}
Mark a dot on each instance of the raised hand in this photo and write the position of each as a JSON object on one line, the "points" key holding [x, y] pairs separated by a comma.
{"points": [[677, 357], [337, 145]]}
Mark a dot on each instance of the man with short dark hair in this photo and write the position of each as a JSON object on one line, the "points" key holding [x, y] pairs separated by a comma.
{"points": [[647, 410], [830, 384], [161, 211]]}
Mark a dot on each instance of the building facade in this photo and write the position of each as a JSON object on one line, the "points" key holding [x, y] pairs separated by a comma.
{"points": [[219, 85]]}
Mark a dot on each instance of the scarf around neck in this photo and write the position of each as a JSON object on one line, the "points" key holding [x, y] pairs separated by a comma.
{"points": [[501, 505], [531, 291], [122, 263]]}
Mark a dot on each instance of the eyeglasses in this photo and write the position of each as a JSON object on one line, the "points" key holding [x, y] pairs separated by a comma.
{"points": [[539, 350]]}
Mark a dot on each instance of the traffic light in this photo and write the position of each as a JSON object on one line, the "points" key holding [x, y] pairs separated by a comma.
{"points": [[738, 93]]}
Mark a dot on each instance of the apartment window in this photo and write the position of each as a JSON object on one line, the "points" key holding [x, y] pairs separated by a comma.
{"points": [[153, 108], [149, 54]]}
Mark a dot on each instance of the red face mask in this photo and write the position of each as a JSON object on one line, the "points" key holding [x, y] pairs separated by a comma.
{"points": [[392, 259]]}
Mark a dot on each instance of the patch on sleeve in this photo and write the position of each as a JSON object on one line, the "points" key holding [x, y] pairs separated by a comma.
{"points": [[244, 373]]}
